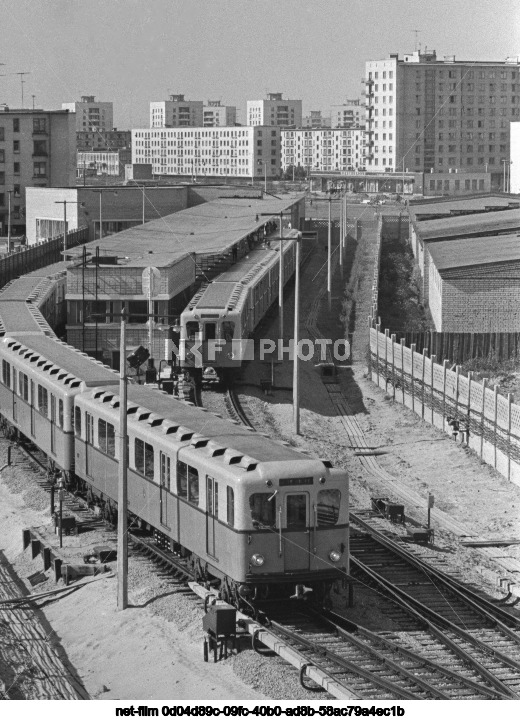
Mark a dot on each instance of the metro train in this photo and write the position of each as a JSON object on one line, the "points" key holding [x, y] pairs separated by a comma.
{"points": [[224, 313], [249, 514]]}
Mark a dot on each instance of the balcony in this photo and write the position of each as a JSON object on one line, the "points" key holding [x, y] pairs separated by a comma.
{"points": [[43, 154], [40, 132]]}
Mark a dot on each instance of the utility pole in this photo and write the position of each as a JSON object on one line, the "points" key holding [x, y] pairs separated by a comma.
{"points": [[329, 256], [296, 363], [281, 274], [9, 222], [122, 500], [22, 81]]}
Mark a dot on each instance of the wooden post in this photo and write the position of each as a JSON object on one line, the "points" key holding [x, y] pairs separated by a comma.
{"points": [[393, 365], [377, 352], [444, 369], [510, 399], [402, 368], [482, 408], [457, 376], [423, 379], [412, 348], [470, 378], [433, 358], [387, 335], [495, 414], [370, 323]]}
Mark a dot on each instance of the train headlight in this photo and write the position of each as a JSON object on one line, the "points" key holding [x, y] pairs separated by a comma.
{"points": [[257, 559], [334, 556]]}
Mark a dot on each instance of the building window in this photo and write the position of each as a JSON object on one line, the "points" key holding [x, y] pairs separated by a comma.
{"points": [[39, 147], [2, 133], [2, 156], [39, 125], [16, 168], [16, 125], [16, 146], [39, 170]]}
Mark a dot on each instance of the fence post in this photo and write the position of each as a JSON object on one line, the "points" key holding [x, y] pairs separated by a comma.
{"points": [[370, 323], [484, 384], [402, 369], [470, 378], [510, 399], [495, 414], [387, 334], [457, 376], [377, 352], [444, 369], [412, 348], [393, 365], [433, 358], [423, 379]]}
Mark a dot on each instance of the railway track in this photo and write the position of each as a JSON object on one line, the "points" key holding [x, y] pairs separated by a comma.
{"points": [[367, 666]]}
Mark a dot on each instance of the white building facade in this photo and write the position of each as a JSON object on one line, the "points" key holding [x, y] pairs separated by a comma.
{"points": [[217, 115], [514, 160], [348, 115], [323, 149], [91, 115], [213, 152], [176, 113], [274, 111]]}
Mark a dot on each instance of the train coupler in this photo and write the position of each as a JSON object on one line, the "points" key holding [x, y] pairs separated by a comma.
{"points": [[301, 592]]}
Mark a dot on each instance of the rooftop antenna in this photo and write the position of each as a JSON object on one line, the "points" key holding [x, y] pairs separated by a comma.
{"points": [[22, 81], [417, 45]]}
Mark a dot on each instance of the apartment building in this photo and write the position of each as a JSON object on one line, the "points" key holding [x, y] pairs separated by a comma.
{"points": [[426, 114], [348, 115], [103, 140], [315, 120], [323, 149], [91, 115], [213, 152], [274, 111], [37, 149], [176, 113], [102, 162], [216, 114]]}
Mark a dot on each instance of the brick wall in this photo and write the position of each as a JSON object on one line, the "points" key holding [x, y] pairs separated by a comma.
{"points": [[485, 299]]}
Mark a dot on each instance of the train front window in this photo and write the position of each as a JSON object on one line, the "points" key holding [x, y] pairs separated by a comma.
{"points": [[327, 508], [228, 330], [192, 328], [296, 511], [210, 331], [263, 509]]}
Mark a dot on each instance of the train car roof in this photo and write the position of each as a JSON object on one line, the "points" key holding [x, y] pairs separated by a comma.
{"points": [[206, 424], [19, 318], [20, 289], [216, 296], [67, 358]]}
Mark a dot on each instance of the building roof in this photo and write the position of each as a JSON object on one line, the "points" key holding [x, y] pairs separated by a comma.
{"points": [[470, 252], [424, 209], [209, 228], [469, 225]]}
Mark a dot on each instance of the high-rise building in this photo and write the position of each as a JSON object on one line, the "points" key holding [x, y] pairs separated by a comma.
{"points": [[425, 114], [348, 115], [104, 140], [237, 151], [321, 149], [274, 111], [176, 113], [216, 114], [91, 115], [37, 149]]}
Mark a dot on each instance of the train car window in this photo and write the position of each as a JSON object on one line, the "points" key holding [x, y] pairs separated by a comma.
{"points": [[263, 509], [144, 463], [23, 382], [182, 479], [193, 485], [327, 507], [165, 471], [6, 373], [60, 413], [230, 493], [15, 390], [107, 438], [192, 328], [43, 400], [210, 331], [77, 421], [228, 330], [296, 510]]}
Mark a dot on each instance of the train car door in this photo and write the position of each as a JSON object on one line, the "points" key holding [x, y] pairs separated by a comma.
{"points": [[211, 515], [15, 409], [89, 435], [53, 423], [33, 428], [164, 487], [296, 535]]}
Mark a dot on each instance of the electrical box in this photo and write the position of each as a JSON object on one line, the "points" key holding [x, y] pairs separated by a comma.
{"points": [[220, 620]]}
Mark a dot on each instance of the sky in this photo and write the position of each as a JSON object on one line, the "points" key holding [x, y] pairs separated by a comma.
{"points": [[131, 52]]}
